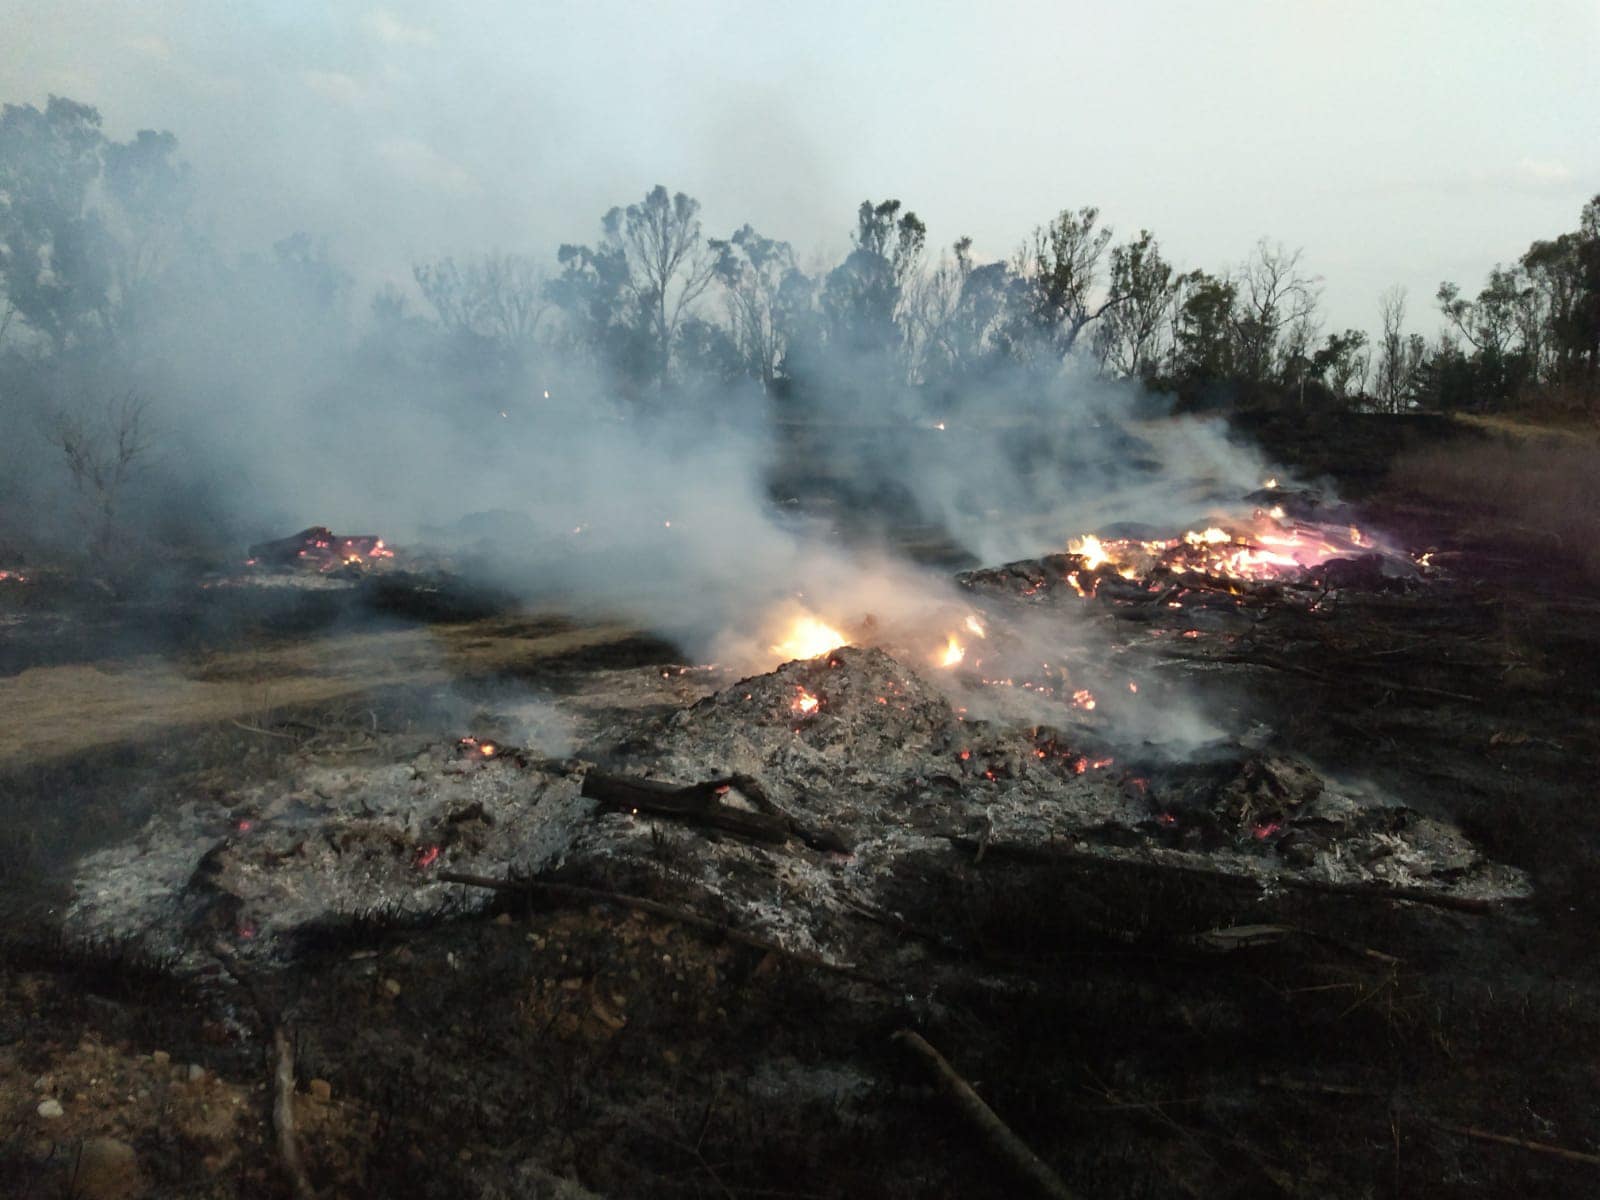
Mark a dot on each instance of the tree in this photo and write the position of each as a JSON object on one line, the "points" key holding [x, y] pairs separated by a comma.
{"points": [[595, 292], [630, 294], [103, 449], [960, 313], [1059, 271], [1341, 364], [499, 297], [54, 249], [1272, 298], [1392, 382], [150, 194], [752, 271], [1203, 327], [1130, 335], [861, 300]]}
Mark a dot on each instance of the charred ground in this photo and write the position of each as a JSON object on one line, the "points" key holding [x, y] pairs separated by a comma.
{"points": [[1149, 1028]]}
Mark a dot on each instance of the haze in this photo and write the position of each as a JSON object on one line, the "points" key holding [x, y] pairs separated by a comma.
{"points": [[1397, 143]]}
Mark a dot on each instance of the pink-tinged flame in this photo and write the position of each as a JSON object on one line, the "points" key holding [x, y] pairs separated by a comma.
{"points": [[426, 857], [1265, 829]]}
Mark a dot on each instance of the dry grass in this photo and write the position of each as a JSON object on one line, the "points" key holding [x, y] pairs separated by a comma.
{"points": [[55, 712], [1528, 481]]}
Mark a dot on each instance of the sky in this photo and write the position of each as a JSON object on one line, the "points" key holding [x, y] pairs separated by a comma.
{"points": [[1394, 141]]}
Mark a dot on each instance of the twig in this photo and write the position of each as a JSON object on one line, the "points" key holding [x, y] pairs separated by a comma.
{"points": [[1388, 685], [283, 1114], [996, 1132], [1323, 1089], [1483, 1135], [264, 732], [666, 911]]}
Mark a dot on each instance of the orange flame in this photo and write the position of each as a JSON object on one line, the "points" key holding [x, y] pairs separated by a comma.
{"points": [[952, 653], [808, 638], [804, 702]]}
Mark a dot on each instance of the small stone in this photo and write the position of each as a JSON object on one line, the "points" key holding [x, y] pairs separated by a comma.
{"points": [[503, 919], [161, 1058], [391, 987], [321, 1090], [196, 1072], [106, 1169], [51, 1110]]}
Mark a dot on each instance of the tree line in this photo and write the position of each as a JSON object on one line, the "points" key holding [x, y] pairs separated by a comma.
{"points": [[98, 242]]}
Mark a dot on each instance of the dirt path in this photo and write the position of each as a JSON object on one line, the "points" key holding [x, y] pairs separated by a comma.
{"points": [[51, 712]]}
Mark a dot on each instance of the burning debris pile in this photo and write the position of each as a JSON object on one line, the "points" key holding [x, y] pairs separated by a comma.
{"points": [[320, 549], [1294, 551], [793, 800]]}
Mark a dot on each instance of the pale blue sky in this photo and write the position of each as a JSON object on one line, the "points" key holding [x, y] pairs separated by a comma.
{"points": [[1397, 142]]}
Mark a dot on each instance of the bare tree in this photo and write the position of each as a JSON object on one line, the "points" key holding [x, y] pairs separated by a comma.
{"points": [[103, 450], [1391, 384], [1274, 299], [671, 264], [499, 296]]}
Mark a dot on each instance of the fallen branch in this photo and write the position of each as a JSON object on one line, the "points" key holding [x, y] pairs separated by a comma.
{"points": [[701, 804], [720, 929], [283, 1115], [1483, 1135], [1065, 857], [1006, 1144]]}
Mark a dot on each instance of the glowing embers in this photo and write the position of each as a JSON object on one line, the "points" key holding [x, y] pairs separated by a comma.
{"points": [[1269, 546], [319, 549], [804, 703], [13, 577]]}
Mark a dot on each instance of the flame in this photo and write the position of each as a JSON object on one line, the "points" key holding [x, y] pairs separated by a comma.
{"points": [[1271, 483], [1268, 546], [808, 638], [804, 702], [975, 626], [487, 749], [1083, 698], [952, 653], [1090, 549]]}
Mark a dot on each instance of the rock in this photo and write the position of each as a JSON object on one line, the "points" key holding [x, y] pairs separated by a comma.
{"points": [[196, 1072], [51, 1110], [161, 1058], [321, 1090], [391, 987], [106, 1169]]}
